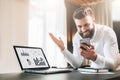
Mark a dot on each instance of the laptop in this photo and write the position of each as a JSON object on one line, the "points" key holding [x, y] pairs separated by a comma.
{"points": [[33, 59]]}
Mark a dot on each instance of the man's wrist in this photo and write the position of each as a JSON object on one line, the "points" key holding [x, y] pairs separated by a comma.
{"points": [[62, 49], [94, 58]]}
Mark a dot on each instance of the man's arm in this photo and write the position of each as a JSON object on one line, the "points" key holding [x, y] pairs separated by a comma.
{"points": [[73, 59], [110, 50]]}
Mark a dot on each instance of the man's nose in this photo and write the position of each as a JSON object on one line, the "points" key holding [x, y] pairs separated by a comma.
{"points": [[83, 29]]}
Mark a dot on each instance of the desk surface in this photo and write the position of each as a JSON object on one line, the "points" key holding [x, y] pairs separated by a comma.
{"points": [[75, 75]]}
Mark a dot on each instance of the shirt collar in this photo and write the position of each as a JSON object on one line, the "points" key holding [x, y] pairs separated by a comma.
{"points": [[94, 38]]}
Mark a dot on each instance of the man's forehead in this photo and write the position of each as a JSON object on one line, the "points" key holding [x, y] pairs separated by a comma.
{"points": [[87, 19]]}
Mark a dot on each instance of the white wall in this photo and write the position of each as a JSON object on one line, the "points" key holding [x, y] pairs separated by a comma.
{"points": [[13, 31]]}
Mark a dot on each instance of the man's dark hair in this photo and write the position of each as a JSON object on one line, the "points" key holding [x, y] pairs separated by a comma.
{"points": [[82, 12]]}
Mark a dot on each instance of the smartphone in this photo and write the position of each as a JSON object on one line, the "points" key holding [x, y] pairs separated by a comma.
{"points": [[85, 41]]}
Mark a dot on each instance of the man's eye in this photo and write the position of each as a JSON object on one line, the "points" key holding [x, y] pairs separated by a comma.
{"points": [[87, 24], [79, 26]]}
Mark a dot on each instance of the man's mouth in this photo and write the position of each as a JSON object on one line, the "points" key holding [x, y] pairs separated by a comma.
{"points": [[86, 33]]}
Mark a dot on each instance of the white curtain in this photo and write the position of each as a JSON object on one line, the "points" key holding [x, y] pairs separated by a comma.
{"points": [[13, 31], [103, 13], [48, 16], [20, 27]]}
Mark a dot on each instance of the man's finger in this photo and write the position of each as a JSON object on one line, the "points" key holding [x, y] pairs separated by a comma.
{"points": [[53, 37]]}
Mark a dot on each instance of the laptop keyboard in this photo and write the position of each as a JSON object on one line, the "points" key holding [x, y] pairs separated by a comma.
{"points": [[51, 70]]}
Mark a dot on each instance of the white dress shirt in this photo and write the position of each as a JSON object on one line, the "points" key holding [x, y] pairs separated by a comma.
{"points": [[106, 47]]}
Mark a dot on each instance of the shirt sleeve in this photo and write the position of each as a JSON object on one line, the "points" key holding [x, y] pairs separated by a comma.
{"points": [[110, 50], [71, 59], [74, 59]]}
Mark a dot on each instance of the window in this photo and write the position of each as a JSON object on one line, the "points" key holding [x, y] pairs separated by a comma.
{"points": [[116, 19], [115, 10], [47, 16]]}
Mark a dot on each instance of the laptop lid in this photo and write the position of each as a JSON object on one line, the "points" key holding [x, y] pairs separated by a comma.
{"points": [[31, 57]]}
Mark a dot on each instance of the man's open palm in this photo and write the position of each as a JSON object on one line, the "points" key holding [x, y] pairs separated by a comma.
{"points": [[58, 42]]}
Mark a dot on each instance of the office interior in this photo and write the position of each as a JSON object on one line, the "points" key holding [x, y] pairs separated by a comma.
{"points": [[28, 22]]}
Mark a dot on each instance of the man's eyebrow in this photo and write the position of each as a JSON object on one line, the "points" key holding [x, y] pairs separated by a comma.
{"points": [[79, 25], [86, 24], [83, 25]]}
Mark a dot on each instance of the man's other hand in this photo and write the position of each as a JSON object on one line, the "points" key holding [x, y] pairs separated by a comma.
{"points": [[58, 42]]}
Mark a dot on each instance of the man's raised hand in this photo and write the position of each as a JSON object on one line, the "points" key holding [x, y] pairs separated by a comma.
{"points": [[58, 41]]}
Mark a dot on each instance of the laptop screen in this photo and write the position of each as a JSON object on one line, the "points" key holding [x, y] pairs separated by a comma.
{"points": [[31, 57]]}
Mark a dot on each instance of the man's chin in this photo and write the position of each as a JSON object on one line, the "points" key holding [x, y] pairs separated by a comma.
{"points": [[86, 36]]}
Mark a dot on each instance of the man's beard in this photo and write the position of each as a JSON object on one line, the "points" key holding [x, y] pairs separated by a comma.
{"points": [[90, 35]]}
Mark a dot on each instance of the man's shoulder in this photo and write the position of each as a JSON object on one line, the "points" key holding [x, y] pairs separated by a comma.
{"points": [[103, 27], [77, 35], [105, 30]]}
